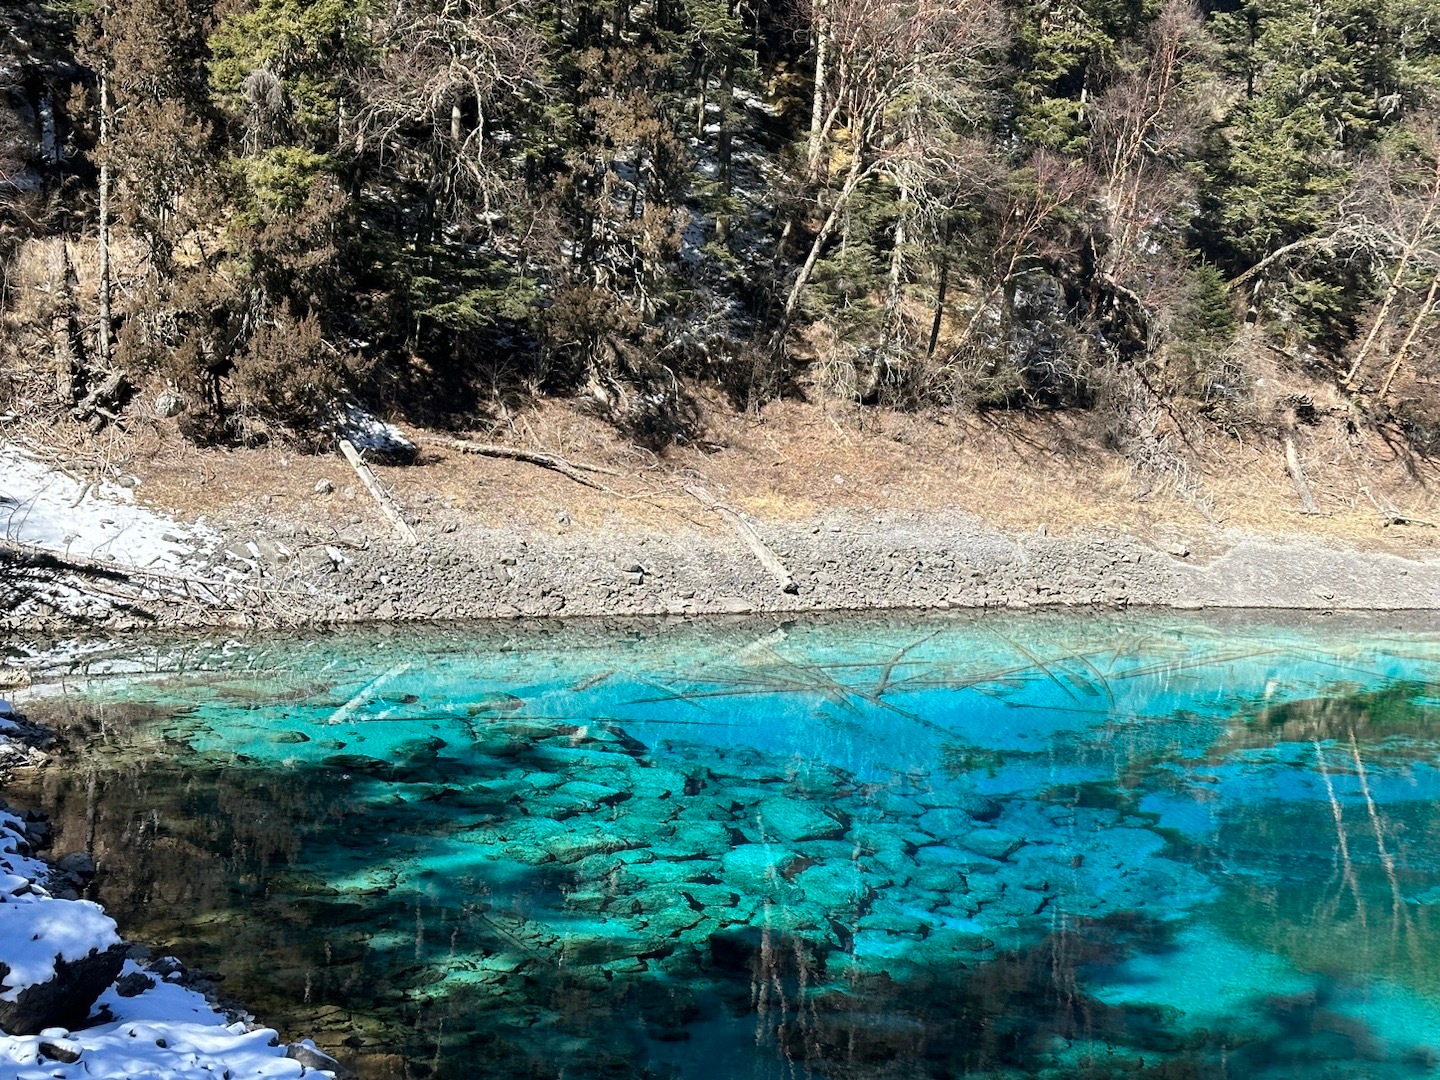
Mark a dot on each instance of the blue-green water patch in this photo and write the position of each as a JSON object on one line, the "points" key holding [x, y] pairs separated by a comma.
{"points": [[1064, 846]]}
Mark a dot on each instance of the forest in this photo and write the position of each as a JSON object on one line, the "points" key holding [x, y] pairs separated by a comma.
{"points": [[239, 212]]}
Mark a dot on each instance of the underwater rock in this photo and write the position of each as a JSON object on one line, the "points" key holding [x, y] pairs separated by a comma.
{"points": [[1426, 898], [673, 921], [945, 880], [694, 840], [980, 807], [669, 874], [947, 823], [365, 766], [476, 797], [963, 860], [578, 797], [414, 752], [760, 870], [794, 821], [710, 898], [568, 847], [833, 887], [885, 848], [657, 782], [791, 918], [592, 901], [524, 839], [992, 843], [587, 944], [649, 899], [494, 703], [897, 918]]}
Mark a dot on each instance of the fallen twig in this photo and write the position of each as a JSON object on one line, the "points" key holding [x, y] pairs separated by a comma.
{"points": [[572, 469], [1393, 516]]}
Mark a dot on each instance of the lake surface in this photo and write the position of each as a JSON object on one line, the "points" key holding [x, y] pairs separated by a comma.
{"points": [[1068, 846]]}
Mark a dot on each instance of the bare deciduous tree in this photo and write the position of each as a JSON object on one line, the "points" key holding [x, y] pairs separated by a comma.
{"points": [[1144, 126], [425, 102], [897, 75]]}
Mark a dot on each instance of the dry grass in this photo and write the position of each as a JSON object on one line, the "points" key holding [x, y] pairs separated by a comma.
{"points": [[798, 461]]}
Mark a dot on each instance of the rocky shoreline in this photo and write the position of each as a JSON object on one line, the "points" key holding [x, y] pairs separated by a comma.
{"points": [[274, 573]]}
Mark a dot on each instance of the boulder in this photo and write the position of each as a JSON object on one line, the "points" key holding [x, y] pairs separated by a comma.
{"points": [[64, 999], [833, 887], [312, 1057], [992, 843], [796, 820], [760, 870]]}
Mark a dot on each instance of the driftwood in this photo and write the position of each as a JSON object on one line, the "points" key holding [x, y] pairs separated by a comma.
{"points": [[573, 469], [768, 558], [378, 493], [1297, 478], [18, 553]]}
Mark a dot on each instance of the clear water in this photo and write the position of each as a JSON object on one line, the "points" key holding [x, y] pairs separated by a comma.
{"points": [[1089, 846]]}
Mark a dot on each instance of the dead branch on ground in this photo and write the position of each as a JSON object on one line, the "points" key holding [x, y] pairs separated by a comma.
{"points": [[573, 469]]}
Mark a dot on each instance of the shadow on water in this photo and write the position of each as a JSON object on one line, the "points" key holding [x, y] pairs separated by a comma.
{"points": [[868, 869]]}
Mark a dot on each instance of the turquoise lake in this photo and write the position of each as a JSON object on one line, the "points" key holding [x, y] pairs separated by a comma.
{"points": [[1101, 845]]}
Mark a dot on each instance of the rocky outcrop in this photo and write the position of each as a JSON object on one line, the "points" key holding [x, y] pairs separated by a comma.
{"points": [[64, 1000]]}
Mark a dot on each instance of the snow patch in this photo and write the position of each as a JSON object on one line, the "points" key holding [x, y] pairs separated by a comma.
{"points": [[163, 1033], [36, 935], [373, 436], [42, 506]]}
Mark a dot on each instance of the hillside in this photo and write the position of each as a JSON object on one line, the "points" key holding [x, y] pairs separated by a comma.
{"points": [[232, 215]]}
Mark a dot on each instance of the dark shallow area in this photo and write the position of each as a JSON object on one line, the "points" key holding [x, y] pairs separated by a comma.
{"points": [[906, 846]]}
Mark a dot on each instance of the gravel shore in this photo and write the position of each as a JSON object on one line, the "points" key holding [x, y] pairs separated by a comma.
{"points": [[274, 573]]}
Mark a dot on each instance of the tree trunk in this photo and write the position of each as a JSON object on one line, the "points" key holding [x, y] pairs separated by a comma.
{"points": [[62, 342], [727, 96], [817, 103], [1297, 479], [102, 336], [940, 291], [701, 79], [1391, 292], [1420, 318], [802, 279], [1406, 253], [897, 256]]}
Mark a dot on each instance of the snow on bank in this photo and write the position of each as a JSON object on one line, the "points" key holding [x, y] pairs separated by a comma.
{"points": [[147, 1027], [165, 1032], [34, 936], [46, 507]]}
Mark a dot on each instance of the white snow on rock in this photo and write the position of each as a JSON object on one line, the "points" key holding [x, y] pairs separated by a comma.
{"points": [[48, 508], [164, 1033], [34, 935], [374, 437], [17, 870]]}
